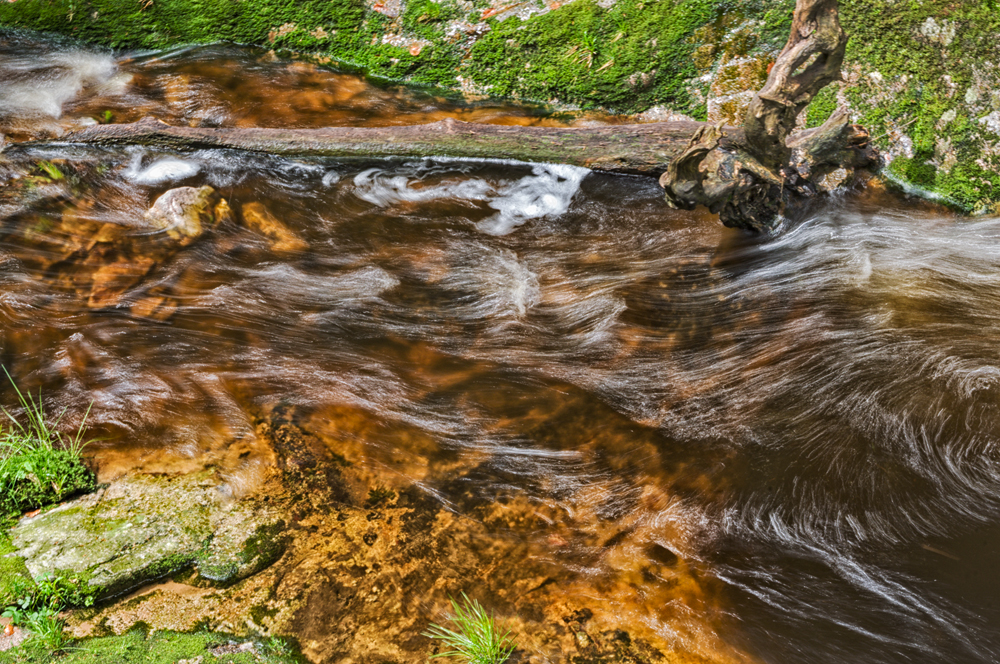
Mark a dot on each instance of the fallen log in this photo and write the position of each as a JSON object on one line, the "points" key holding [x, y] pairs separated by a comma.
{"points": [[748, 175], [641, 149]]}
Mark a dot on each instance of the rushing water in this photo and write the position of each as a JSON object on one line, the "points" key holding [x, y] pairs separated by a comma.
{"points": [[812, 416]]}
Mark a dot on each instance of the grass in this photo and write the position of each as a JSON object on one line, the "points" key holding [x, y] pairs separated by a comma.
{"points": [[51, 170], [39, 466], [477, 637], [35, 606]]}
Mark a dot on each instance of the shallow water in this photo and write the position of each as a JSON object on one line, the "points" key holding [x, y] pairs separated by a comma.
{"points": [[810, 418]]}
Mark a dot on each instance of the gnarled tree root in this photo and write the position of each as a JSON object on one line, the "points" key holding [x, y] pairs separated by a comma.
{"points": [[752, 182]]}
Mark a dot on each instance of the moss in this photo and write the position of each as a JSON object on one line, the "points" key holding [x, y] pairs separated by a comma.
{"points": [[264, 546], [267, 543], [628, 58], [426, 18], [12, 569], [822, 107], [890, 39], [136, 647]]}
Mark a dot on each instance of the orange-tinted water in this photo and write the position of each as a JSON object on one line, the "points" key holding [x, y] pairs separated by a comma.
{"points": [[810, 418]]}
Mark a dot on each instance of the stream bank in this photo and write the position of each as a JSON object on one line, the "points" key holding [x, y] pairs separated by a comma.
{"points": [[917, 76]]}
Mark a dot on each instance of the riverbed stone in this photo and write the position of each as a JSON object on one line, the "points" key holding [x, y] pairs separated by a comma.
{"points": [[184, 213], [143, 527], [257, 217]]}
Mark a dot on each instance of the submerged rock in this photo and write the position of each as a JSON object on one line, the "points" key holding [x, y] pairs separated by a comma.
{"points": [[143, 527], [259, 218], [111, 281]]}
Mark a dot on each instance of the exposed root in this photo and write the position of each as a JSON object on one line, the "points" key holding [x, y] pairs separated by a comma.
{"points": [[751, 185]]}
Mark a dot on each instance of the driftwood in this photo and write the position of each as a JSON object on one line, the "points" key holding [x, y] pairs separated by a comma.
{"points": [[748, 175]]}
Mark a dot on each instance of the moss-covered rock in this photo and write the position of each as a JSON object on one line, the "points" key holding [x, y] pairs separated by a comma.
{"points": [[12, 568], [920, 75], [164, 647], [143, 527]]}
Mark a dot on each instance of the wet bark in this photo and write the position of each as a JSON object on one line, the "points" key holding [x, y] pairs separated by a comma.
{"points": [[748, 175]]}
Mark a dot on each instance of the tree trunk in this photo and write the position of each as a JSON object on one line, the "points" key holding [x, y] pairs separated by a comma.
{"points": [[748, 175]]}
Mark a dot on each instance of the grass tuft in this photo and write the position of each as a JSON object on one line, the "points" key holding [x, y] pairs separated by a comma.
{"points": [[39, 466], [477, 637]]}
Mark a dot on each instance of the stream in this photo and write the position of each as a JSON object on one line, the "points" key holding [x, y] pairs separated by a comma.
{"points": [[808, 420]]}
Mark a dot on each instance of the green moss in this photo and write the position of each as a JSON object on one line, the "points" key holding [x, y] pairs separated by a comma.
{"points": [[822, 107], [426, 18], [136, 647], [628, 58], [13, 571], [888, 38], [260, 549], [267, 543]]}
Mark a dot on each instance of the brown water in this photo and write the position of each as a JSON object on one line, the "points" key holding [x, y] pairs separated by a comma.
{"points": [[809, 418]]}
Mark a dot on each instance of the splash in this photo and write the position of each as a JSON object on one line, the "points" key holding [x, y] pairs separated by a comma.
{"points": [[545, 193], [40, 85]]}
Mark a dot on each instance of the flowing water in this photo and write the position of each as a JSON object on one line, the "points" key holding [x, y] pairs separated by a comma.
{"points": [[810, 418]]}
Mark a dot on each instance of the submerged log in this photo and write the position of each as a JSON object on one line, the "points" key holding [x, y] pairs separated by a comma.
{"points": [[748, 175], [641, 149]]}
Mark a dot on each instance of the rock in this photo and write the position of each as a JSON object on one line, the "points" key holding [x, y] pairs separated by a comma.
{"points": [[259, 218], [223, 213], [237, 551], [183, 212], [143, 527]]}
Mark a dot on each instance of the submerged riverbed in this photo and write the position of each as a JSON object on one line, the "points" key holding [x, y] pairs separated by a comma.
{"points": [[778, 449]]}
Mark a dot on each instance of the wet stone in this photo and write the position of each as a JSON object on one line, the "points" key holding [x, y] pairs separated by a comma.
{"points": [[142, 527], [155, 307], [111, 281], [184, 213]]}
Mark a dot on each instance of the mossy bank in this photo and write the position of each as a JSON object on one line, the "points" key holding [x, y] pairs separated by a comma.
{"points": [[920, 75]]}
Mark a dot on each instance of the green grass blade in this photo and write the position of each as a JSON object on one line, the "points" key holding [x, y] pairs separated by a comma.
{"points": [[476, 638]]}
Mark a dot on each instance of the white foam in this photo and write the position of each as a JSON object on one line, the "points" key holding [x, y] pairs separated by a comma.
{"points": [[169, 169], [331, 178], [548, 191], [41, 85], [379, 188]]}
